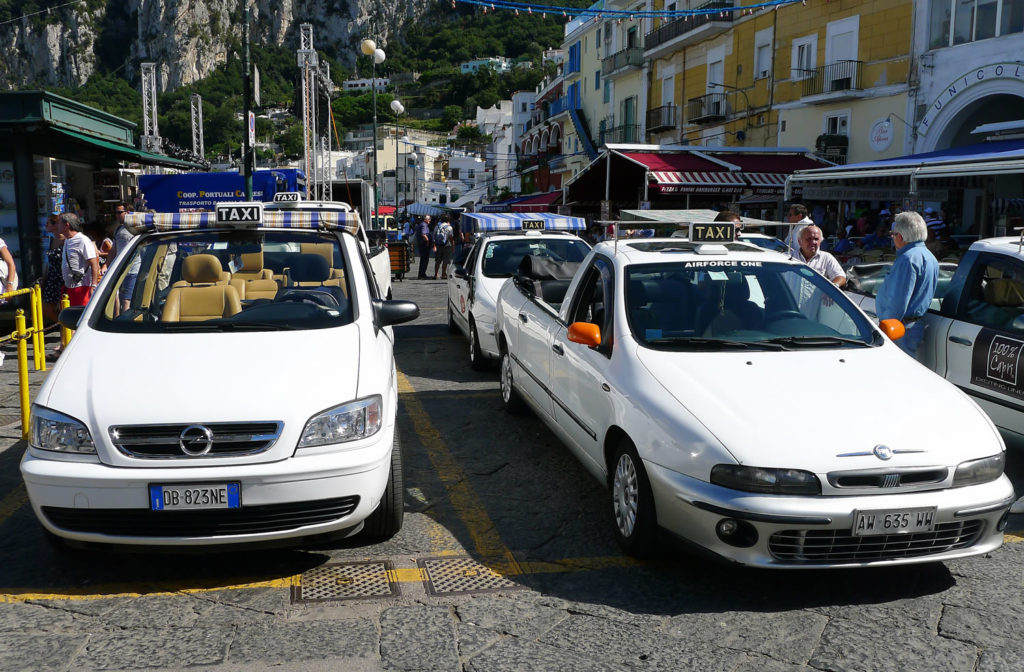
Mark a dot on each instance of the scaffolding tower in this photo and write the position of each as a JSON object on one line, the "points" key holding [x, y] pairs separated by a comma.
{"points": [[197, 126], [151, 140]]}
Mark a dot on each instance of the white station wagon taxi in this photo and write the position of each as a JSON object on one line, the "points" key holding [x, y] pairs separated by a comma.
{"points": [[232, 380], [693, 378], [505, 238]]}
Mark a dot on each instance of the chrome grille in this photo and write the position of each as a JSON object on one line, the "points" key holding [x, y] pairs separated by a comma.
{"points": [[888, 478], [228, 439], [829, 546]]}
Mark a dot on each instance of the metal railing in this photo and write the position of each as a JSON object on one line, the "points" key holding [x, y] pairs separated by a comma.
{"points": [[558, 106], [709, 107], [22, 335], [838, 76], [630, 57], [620, 134], [685, 24], [661, 118]]}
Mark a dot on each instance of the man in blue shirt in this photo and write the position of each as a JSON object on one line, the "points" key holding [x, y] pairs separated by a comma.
{"points": [[907, 290], [423, 245]]}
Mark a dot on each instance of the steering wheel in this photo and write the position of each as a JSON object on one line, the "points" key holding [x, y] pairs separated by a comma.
{"points": [[321, 299], [785, 315]]}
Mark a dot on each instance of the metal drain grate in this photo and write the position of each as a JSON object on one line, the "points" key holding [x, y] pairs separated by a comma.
{"points": [[346, 581], [448, 576]]}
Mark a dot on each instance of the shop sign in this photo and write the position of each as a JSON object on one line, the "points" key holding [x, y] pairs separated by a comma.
{"points": [[880, 136], [840, 193], [696, 189], [964, 82]]}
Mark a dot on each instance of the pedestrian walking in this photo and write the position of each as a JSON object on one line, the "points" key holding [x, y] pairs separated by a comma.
{"points": [[8, 272], [80, 266], [444, 243], [423, 245], [122, 239], [52, 281]]}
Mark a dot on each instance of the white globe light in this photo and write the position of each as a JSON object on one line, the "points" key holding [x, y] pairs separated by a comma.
{"points": [[367, 46], [379, 56], [397, 107]]}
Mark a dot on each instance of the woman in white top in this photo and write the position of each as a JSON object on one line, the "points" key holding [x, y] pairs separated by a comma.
{"points": [[8, 272]]}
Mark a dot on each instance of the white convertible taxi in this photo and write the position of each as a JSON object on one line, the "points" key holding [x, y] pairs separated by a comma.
{"points": [[231, 381], [506, 238], [696, 378]]}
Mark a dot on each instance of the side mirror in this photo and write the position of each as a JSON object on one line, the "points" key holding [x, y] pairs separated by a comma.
{"points": [[894, 329], [388, 313], [585, 333], [460, 272], [71, 316]]}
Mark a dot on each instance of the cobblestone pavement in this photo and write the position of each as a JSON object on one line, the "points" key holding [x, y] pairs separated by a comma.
{"points": [[506, 562]]}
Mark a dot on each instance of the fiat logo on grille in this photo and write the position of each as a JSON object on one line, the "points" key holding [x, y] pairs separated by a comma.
{"points": [[196, 440], [883, 452]]}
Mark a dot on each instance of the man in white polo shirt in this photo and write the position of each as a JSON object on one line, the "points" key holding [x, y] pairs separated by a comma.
{"points": [[811, 254], [80, 265]]}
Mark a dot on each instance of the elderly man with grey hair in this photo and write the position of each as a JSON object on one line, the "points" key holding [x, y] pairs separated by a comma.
{"points": [[907, 290]]}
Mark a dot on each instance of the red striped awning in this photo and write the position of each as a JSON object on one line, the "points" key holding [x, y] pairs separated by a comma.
{"points": [[766, 182], [537, 203], [698, 182]]}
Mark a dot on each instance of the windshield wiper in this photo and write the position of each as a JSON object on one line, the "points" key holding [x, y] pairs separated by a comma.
{"points": [[817, 340], [716, 343]]}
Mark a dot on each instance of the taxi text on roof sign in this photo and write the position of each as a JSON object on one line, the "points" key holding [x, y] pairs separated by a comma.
{"points": [[287, 197], [533, 225], [717, 232], [245, 213]]}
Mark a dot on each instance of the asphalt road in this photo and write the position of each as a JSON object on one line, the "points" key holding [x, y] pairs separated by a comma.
{"points": [[506, 562]]}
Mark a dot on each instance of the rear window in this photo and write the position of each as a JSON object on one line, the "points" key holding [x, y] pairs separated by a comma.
{"points": [[502, 257], [229, 281]]}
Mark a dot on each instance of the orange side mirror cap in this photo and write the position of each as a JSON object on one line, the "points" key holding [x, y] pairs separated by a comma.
{"points": [[893, 328], [585, 333]]}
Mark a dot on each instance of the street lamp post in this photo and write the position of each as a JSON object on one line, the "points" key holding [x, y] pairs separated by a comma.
{"points": [[370, 48], [415, 172], [398, 109]]}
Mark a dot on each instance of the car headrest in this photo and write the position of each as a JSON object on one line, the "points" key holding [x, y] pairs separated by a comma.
{"points": [[637, 293], [1003, 292], [736, 288], [252, 261], [201, 269], [310, 268], [325, 250]]}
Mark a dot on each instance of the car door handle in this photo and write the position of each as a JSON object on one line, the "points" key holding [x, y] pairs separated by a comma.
{"points": [[558, 349], [961, 340], [523, 318]]}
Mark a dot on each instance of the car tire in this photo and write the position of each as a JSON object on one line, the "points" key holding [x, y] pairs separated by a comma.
{"points": [[477, 361], [386, 519], [510, 397], [452, 327], [632, 503]]}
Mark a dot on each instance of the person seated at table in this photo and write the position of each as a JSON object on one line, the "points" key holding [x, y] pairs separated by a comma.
{"points": [[878, 239]]}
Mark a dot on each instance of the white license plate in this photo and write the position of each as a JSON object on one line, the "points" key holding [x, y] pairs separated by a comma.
{"points": [[895, 521], [195, 496]]}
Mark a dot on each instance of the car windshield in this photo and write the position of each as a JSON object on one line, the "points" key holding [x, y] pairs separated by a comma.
{"points": [[229, 281], [502, 257], [751, 304]]}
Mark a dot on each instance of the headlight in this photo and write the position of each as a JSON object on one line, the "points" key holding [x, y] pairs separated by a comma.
{"points": [[979, 471], [349, 422], [50, 430], [770, 481]]}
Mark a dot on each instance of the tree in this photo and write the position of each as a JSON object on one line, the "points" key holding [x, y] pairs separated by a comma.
{"points": [[452, 116]]}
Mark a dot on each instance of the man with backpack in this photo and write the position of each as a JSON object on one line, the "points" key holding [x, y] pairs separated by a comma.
{"points": [[444, 243]]}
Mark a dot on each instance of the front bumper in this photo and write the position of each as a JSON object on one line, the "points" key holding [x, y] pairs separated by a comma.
{"points": [[798, 532], [302, 496]]}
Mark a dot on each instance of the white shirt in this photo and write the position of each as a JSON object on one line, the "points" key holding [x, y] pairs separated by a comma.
{"points": [[78, 250], [824, 263], [793, 239]]}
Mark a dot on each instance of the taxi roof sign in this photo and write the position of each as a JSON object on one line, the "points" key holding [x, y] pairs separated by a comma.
{"points": [[480, 222], [287, 197], [335, 219], [713, 232], [242, 213]]}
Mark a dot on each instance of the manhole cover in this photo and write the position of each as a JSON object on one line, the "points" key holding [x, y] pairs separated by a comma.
{"points": [[447, 576], [346, 581]]}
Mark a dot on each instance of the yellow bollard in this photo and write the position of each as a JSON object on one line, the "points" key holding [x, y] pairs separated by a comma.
{"points": [[65, 333], [21, 335], [37, 327], [40, 339]]}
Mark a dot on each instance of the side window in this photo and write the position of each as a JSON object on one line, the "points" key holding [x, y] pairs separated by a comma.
{"points": [[470, 264], [371, 280], [995, 295], [594, 303]]}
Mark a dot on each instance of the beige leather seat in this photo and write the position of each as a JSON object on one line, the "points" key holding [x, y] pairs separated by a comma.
{"points": [[325, 250], [1004, 292], [252, 268], [254, 289], [203, 297]]}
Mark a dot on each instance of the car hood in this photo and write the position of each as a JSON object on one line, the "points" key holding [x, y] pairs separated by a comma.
{"points": [[106, 379], [803, 408]]}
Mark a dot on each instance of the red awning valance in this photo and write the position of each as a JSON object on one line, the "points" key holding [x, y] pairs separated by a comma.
{"points": [[537, 202]]}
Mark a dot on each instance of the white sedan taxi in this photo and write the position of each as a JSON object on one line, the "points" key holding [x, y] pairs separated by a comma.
{"points": [[231, 381], [694, 378], [504, 239]]}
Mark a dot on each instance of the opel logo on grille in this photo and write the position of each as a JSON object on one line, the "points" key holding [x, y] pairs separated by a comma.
{"points": [[195, 440], [883, 452]]}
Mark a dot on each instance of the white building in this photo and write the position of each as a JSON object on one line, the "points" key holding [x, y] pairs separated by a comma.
{"points": [[556, 56], [491, 118], [366, 84], [496, 63]]}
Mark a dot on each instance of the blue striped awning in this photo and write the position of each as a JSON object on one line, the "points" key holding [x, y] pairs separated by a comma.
{"points": [[138, 222], [513, 221]]}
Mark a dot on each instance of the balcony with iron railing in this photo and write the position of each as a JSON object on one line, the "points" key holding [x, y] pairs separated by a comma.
{"points": [[620, 134], [708, 108], [621, 61], [559, 106], [834, 81], [687, 30], [662, 118]]}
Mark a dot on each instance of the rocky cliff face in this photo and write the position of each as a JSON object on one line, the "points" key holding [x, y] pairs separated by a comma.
{"points": [[186, 38]]}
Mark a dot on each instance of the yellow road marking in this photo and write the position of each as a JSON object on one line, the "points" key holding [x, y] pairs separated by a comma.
{"points": [[486, 541], [12, 502], [101, 592], [1013, 537]]}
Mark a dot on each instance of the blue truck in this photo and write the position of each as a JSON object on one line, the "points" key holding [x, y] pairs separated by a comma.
{"points": [[189, 192]]}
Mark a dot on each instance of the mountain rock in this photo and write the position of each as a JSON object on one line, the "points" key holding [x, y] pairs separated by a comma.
{"points": [[188, 39]]}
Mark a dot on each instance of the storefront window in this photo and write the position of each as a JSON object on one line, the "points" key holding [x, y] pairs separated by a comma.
{"points": [[963, 27], [1013, 17]]}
